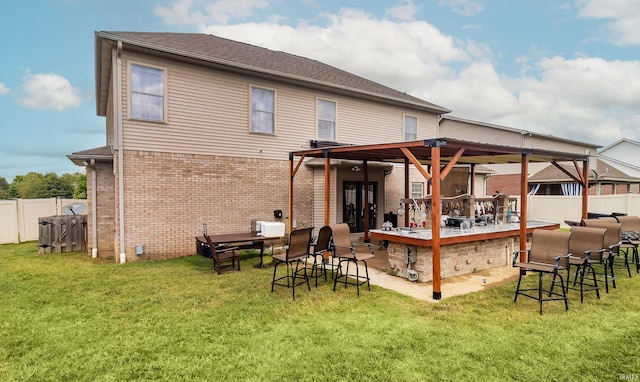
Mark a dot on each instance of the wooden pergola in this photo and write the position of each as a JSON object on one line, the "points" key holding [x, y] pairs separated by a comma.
{"points": [[434, 159]]}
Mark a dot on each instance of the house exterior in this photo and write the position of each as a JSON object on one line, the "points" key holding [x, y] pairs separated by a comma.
{"points": [[505, 178], [604, 179], [199, 129], [623, 154]]}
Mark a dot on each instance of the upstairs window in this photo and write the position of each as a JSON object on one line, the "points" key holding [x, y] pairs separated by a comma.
{"points": [[326, 120], [262, 110], [147, 93], [410, 128]]}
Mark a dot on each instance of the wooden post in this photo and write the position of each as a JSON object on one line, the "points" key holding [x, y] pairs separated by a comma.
{"points": [[524, 190], [290, 225], [366, 200], [406, 191], [327, 187], [585, 188], [472, 179], [435, 221]]}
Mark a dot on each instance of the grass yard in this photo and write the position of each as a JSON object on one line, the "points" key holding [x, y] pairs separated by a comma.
{"points": [[67, 317]]}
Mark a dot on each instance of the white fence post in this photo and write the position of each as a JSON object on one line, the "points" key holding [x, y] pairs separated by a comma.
{"points": [[9, 222]]}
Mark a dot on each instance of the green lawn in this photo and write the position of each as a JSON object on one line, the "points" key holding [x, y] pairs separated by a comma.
{"points": [[67, 317]]}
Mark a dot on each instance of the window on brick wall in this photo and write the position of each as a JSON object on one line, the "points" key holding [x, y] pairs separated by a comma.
{"points": [[147, 93], [263, 110], [417, 190]]}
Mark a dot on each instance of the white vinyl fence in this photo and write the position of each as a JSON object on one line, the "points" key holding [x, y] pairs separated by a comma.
{"points": [[19, 218], [560, 208]]}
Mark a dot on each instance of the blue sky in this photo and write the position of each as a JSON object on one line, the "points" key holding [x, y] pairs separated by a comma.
{"points": [[568, 68]]}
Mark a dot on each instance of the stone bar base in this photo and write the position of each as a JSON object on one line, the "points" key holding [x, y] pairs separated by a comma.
{"points": [[455, 259]]}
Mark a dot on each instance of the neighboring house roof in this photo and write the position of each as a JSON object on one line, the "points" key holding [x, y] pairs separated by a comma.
{"points": [[605, 174], [480, 169], [624, 153], [225, 54], [98, 154], [620, 141]]}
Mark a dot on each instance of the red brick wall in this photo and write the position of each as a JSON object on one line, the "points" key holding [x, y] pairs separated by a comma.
{"points": [[105, 208], [169, 196], [506, 184]]}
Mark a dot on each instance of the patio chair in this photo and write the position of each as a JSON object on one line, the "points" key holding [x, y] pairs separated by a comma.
{"points": [[321, 247], [549, 254], [297, 252], [345, 252], [586, 246], [612, 244], [630, 226], [222, 254]]}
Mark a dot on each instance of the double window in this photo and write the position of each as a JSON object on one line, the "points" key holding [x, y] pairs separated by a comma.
{"points": [[262, 110], [147, 93], [410, 128], [326, 111]]}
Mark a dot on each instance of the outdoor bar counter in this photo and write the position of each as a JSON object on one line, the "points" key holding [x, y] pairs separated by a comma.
{"points": [[462, 251]]}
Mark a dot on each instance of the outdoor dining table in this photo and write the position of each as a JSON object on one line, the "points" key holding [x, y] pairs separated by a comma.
{"points": [[246, 240]]}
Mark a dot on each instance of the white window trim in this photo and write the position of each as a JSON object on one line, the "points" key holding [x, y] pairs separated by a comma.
{"points": [[275, 108], [404, 127], [130, 91], [422, 189], [318, 117]]}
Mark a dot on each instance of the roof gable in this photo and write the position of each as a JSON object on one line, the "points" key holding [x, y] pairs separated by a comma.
{"points": [[605, 172]]}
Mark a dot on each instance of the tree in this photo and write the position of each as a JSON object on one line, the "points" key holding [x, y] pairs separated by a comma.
{"points": [[79, 183], [35, 185], [4, 188]]}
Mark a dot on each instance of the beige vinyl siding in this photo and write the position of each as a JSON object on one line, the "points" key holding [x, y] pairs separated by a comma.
{"points": [[623, 151], [208, 113], [368, 123], [486, 134]]}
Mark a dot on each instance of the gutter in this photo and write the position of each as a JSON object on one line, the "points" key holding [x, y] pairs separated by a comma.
{"points": [[94, 209], [118, 128]]}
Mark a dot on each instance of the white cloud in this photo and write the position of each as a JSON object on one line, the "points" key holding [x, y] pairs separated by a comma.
{"points": [[404, 55], [588, 99], [49, 91], [4, 89], [584, 98], [623, 16], [464, 7], [200, 12], [406, 10]]}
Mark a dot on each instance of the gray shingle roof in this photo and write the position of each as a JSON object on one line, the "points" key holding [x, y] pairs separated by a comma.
{"points": [[608, 173], [261, 60]]}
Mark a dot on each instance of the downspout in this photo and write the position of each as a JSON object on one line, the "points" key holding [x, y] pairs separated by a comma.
{"points": [[118, 82], [94, 210]]}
